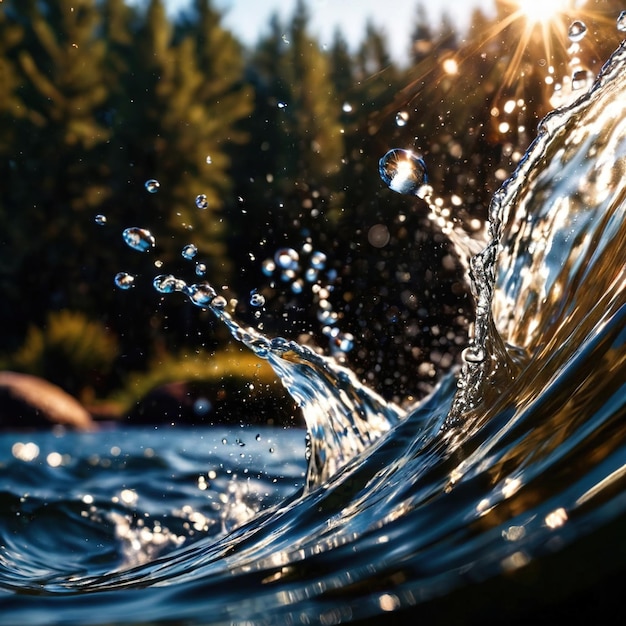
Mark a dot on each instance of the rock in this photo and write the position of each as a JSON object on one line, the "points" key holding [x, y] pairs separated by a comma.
{"points": [[28, 402]]}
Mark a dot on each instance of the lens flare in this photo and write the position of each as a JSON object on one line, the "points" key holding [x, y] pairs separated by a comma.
{"points": [[542, 11]]}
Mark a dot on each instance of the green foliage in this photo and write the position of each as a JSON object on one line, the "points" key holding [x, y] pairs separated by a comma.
{"points": [[71, 350], [199, 366]]}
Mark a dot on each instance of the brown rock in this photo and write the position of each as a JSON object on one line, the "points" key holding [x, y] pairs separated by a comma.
{"points": [[28, 402]]}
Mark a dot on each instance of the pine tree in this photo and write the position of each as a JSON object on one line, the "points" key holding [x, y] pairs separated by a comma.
{"points": [[304, 123], [57, 176], [422, 38]]}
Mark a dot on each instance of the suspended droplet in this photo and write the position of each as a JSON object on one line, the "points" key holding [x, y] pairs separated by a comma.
{"points": [[347, 107], [318, 260], [257, 299], [621, 22], [219, 302], [201, 294], [202, 406], [138, 239], [268, 267], [101, 220], [189, 251], [576, 31], [282, 105], [124, 280], [402, 118], [152, 185], [202, 202], [297, 286], [200, 269], [287, 258], [474, 354], [166, 283], [209, 159], [403, 172]]}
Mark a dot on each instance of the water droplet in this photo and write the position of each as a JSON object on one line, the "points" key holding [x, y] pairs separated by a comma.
{"points": [[138, 239], [202, 406], [209, 159], [101, 220], [403, 172], [282, 105], [268, 267], [124, 280], [576, 31], [202, 202], [152, 185], [219, 302], [474, 354], [287, 258], [202, 294], [166, 283], [189, 251], [200, 269], [621, 22], [343, 342], [256, 299], [402, 117], [318, 260], [347, 107]]}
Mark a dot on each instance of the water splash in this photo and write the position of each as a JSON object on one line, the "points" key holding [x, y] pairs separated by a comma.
{"points": [[405, 514]]}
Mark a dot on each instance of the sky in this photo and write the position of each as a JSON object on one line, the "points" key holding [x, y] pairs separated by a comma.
{"points": [[248, 18]]}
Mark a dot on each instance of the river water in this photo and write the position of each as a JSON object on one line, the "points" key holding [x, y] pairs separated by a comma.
{"points": [[495, 498]]}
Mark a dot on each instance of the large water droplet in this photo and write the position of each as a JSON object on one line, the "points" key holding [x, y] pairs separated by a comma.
{"points": [[124, 280], [576, 31], [202, 294], [152, 185], [403, 172], [189, 251], [219, 302], [200, 269], [202, 202], [166, 283], [139, 239], [287, 258], [621, 22]]}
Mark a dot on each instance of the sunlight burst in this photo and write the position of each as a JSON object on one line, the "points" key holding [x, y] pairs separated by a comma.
{"points": [[542, 11]]}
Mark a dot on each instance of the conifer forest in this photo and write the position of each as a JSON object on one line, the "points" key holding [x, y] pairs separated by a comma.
{"points": [[252, 149]]}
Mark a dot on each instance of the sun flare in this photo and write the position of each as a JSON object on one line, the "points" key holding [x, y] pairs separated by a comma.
{"points": [[542, 11]]}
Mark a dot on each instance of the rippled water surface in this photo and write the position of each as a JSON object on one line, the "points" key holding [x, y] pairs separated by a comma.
{"points": [[502, 489]]}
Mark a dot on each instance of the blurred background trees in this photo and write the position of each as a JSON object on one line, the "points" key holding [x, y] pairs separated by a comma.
{"points": [[280, 144]]}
